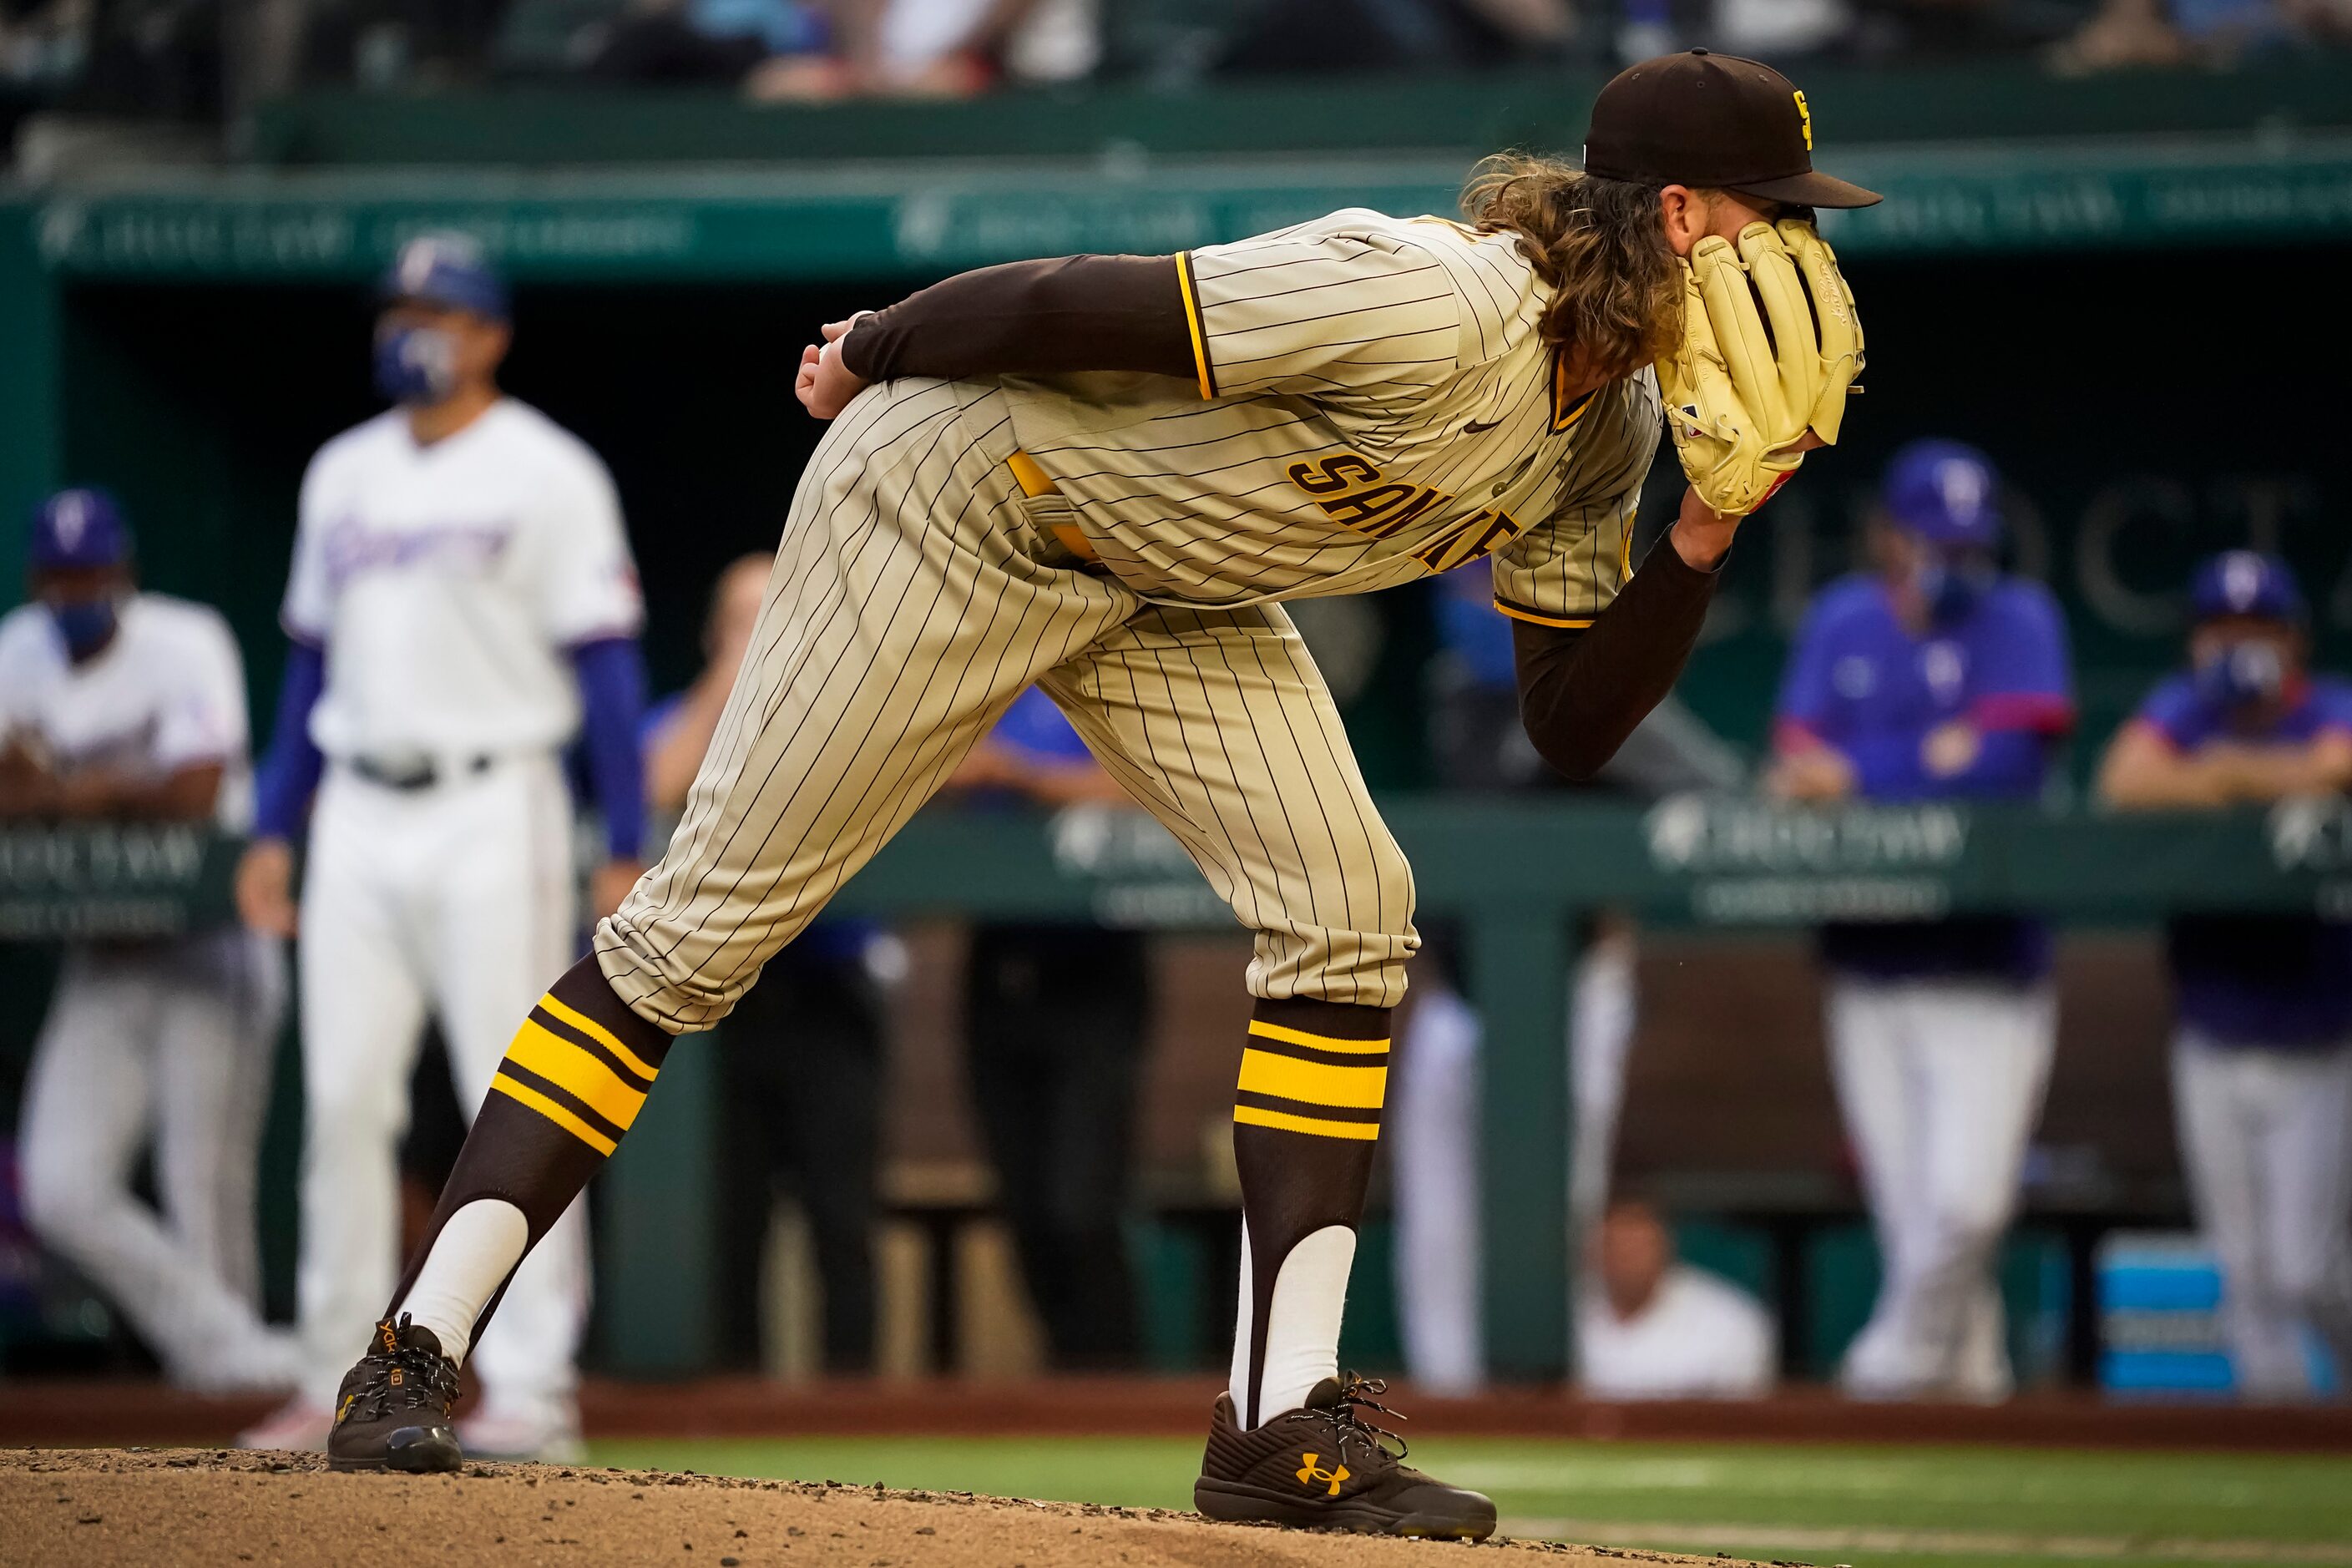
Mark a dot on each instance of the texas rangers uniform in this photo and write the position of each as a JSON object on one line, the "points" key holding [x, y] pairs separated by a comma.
{"points": [[2261, 1080], [1940, 1033], [171, 1039], [445, 583]]}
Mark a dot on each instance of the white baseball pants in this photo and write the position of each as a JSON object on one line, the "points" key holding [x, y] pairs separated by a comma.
{"points": [[1433, 1121], [457, 901], [170, 1043], [1941, 1083], [2266, 1137]]}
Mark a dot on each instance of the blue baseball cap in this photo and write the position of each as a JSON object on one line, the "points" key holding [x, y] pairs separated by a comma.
{"points": [[446, 269], [1946, 492], [76, 530], [2246, 582]]}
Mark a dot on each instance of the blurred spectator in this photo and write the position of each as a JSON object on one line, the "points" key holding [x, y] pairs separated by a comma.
{"points": [[156, 59], [2261, 1056], [956, 47], [1479, 743], [801, 1058], [1936, 676], [772, 49], [1322, 37], [1650, 1327], [2127, 34], [1779, 29], [122, 706], [1054, 1017], [44, 41], [399, 44]]}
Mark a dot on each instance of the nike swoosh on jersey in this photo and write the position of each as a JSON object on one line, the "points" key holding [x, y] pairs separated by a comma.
{"points": [[1474, 428]]}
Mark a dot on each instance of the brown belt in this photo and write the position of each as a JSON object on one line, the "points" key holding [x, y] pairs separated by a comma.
{"points": [[1035, 482]]}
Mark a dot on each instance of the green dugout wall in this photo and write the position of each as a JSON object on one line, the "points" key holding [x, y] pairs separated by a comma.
{"points": [[2135, 327]]}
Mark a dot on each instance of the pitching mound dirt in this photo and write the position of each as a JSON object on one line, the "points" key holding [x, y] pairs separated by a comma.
{"points": [[62, 1508]]}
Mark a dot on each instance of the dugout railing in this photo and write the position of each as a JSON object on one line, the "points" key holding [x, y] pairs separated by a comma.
{"points": [[1514, 878]]}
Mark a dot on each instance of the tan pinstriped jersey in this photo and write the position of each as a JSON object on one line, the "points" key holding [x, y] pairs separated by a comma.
{"points": [[1374, 405]]}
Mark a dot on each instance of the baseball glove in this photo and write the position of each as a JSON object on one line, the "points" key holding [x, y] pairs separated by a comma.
{"points": [[1770, 346]]}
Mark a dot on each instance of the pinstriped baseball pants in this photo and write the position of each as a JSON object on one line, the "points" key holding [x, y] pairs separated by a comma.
{"points": [[916, 592]]}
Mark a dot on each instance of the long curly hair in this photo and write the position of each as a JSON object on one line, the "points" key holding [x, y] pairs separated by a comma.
{"points": [[1617, 292]]}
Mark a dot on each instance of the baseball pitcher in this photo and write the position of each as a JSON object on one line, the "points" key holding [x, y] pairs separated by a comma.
{"points": [[462, 601], [1103, 475]]}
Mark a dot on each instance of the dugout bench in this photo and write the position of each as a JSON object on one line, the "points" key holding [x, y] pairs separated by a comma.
{"points": [[1515, 876]]}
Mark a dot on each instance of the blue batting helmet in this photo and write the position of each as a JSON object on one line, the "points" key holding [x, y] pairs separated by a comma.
{"points": [[1946, 492], [449, 270], [78, 529], [2246, 582]]}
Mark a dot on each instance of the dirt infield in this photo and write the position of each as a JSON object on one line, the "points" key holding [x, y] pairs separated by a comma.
{"points": [[64, 1508]]}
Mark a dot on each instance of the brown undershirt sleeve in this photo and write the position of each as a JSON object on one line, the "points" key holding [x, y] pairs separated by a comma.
{"points": [[1582, 691], [1068, 313]]}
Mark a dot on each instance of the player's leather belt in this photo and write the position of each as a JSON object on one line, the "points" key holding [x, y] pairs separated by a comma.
{"points": [[408, 775], [1035, 482]]}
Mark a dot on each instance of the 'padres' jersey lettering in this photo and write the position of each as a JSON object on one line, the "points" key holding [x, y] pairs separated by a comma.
{"points": [[1375, 403]]}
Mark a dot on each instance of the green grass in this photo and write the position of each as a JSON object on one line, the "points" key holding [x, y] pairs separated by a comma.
{"points": [[1948, 1506]]}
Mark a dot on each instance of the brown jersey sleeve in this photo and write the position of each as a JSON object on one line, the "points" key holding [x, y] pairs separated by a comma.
{"points": [[1582, 690], [1037, 318]]}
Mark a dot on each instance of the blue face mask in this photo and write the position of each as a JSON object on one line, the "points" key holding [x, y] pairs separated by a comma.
{"points": [[84, 624], [1953, 589], [2244, 673], [415, 364]]}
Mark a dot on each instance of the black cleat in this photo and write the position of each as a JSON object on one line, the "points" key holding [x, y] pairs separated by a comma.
{"points": [[1324, 1467], [393, 1411]]}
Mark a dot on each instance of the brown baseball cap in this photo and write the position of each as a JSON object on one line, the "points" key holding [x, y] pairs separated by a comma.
{"points": [[1714, 120]]}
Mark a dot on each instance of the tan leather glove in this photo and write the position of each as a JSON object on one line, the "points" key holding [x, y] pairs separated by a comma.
{"points": [[1770, 347]]}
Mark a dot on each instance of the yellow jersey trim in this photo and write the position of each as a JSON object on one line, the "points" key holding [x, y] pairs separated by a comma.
{"points": [[1192, 322], [1259, 1027], [1361, 1131], [1564, 413], [1516, 613]]}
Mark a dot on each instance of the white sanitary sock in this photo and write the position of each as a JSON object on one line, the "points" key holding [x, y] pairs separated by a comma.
{"points": [[470, 1259], [1302, 1333]]}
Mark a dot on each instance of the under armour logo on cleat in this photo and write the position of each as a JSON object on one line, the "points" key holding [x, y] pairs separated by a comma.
{"points": [[1310, 1474]]}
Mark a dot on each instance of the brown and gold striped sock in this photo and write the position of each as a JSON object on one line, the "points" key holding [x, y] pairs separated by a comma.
{"points": [[1307, 1116], [570, 1085]]}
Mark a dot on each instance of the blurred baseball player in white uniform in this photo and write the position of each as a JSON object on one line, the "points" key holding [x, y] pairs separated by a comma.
{"points": [[2262, 1058], [116, 705], [462, 602]]}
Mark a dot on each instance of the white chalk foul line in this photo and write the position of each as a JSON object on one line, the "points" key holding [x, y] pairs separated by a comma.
{"points": [[1666, 1535]]}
